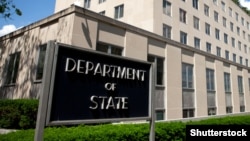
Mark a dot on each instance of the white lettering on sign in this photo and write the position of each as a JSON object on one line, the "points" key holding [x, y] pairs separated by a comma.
{"points": [[105, 103], [104, 70]]}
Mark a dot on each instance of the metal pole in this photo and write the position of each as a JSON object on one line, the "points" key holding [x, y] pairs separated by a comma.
{"points": [[43, 99], [152, 85]]}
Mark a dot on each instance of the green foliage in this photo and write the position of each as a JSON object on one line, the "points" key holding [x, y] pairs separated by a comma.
{"points": [[7, 8], [8, 117], [164, 131], [18, 114], [229, 120], [243, 8], [170, 131], [236, 2]]}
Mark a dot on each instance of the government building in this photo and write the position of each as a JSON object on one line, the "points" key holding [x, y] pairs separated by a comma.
{"points": [[201, 50]]}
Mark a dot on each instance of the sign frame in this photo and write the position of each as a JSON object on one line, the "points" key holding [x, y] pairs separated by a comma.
{"points": [[46, 95], [54, 55]]}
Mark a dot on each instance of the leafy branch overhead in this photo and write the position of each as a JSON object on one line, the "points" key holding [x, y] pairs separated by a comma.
{"points": [[8, 8], [242, 7]]}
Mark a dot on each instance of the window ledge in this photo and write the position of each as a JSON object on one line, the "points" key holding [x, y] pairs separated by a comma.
{"points": [[37, 81], [188, 89], [9, 85], [160, 86]]}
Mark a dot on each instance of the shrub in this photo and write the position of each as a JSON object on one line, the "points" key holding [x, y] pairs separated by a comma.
{"points": [[174, 131], [18, 113]]}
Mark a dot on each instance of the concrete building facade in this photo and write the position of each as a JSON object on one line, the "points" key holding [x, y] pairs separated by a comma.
{"points": [[202, 64]]}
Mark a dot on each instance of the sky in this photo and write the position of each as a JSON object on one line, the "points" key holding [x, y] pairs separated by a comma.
{"points": [[35, 10], [32, 11]]}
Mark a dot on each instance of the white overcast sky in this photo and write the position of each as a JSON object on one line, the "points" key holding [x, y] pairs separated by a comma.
{"points": [[9, 27]]}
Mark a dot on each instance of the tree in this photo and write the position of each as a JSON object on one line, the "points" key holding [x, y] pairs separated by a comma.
{"points": [[242, 7], [236, 2], [8, 8]]}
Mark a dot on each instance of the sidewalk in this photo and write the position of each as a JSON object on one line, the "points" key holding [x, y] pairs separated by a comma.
{"points": [[5, 131]]}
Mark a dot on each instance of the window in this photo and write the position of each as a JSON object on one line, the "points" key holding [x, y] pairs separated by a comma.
{"points": [[196, 23], [211, 104], [244, 34], [230, 12], [227, 54], [182, 15], [87, 3], [188, 113], [224, 22], [101, 1], [207, 28], [223, 6], [167, 31], [238, 30], [232, 26], [215, 2], [225, 38], [241, 94], [234, 58], [183, 37], [249, 84], [187, 76], [247, 62], [228, 95], [208, 46], [242, 21], [227, 82], [188, 91], [241, 62], [196, 43], [166, 7], [239, 45], [159, 68], [212, 109], [217, 34], [109, 49], [245, 48], [233, 42], [242, 107], [240, 84], [206, 10], [218, 51], [210, 80], [195, 4], [229, 109], [216, 16], [13, 64], [119, 11], [40, 64], [236, 16], [159, 114]]}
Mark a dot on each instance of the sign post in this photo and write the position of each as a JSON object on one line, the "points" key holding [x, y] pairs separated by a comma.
{"points": [[152, 120], [85, 86], [44, 94]]}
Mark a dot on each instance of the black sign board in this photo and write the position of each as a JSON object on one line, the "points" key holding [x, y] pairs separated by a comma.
{"points": [[90, 86]]}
